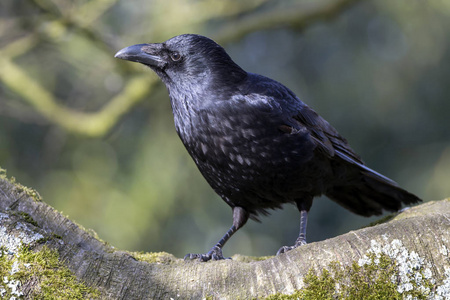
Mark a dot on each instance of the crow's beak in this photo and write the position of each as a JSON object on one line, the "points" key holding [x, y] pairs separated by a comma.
{"points": [[147, 54]]}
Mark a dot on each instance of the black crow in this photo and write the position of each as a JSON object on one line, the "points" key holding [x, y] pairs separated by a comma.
{"points": [[255, 142]]}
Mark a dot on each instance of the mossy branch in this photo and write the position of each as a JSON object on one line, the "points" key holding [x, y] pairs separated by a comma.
{"points": [[418, 239]]}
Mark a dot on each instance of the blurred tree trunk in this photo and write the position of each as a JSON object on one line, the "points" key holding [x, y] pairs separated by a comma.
{"points": [[121, 275]]}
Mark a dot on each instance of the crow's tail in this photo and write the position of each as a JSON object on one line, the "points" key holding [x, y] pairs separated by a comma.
{"points": [[372, 194]]}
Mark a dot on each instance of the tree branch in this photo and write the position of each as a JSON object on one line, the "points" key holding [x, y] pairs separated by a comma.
{"points": [[422, 232], [88, 124], [297, 17]]}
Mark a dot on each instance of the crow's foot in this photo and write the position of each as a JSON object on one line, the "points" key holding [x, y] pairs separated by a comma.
{"points": [[214, 254], [285, 249]]}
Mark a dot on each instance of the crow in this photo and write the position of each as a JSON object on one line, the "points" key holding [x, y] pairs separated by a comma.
{"points": [[255, 142]]}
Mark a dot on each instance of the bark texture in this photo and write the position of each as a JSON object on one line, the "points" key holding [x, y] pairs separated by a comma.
{"points": [[120, 275]]}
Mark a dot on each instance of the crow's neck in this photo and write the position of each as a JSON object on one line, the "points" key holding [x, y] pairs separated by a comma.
{"points": [[190, 102]]}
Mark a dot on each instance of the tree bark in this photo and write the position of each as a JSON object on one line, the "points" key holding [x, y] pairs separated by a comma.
{"points": [[120, 275]]}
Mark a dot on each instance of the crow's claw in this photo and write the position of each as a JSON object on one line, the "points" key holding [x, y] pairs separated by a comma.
{"points": [[298, 243], [214, 254]]}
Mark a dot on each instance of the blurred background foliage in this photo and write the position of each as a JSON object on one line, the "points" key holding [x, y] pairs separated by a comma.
{"points": [[95, 136]]}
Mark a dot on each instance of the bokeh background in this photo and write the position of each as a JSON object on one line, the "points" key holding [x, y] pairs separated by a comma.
{"points": [[95, 136]]}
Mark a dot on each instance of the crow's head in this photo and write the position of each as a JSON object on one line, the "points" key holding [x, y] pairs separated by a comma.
{"points": [[186, 59]]}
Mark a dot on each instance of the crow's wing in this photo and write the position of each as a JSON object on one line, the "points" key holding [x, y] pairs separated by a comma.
{"points": [[331, 143]]}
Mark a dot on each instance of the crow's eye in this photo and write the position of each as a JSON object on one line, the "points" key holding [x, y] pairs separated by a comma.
{"points": [[175, 56]]}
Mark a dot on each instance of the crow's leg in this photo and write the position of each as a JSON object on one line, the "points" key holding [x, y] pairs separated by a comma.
{"points": [[303, 207], [240, 217]]}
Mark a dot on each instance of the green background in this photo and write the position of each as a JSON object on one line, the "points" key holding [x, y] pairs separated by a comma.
{"points": [[378, 71]]}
